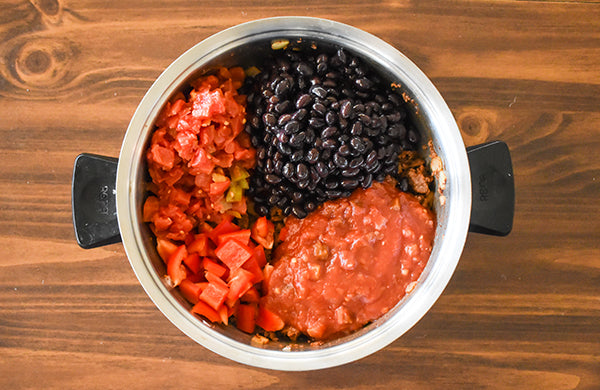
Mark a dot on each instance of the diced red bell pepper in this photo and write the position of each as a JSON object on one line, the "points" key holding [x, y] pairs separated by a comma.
{"points": [[262, 232], [151, 206], [193, 262], [251, 296], [175, 268], [200, 245], [252, 266], [204, 310], [214, 295], [214, 268], [218, 188], [191, 291], [242, 236], [233, 253], [268, 320], [165, 248], [225, 226], [245, 318], [258, 254], [239, 283]]}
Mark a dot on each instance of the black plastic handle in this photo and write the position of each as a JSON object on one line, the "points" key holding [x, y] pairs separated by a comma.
{"points": [[493, 188], [94, 201]]}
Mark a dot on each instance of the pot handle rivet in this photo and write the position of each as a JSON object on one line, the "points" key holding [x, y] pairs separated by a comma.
{"points": [[94, 201], [493, 188]]}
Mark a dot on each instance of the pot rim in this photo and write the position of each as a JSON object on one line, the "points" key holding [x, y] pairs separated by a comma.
{"points": [[450, 236]]}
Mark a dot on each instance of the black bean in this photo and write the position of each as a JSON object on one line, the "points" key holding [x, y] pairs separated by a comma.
{"points": [[288, 170], [412, 136], [350, 172], [344, 150], [261, 209], [272, 179], [318, 91], [350, 184], [333, 194], [356, 162], [283, 106], [282, 87], [292, 126], [321, 168], [346, 109], [331, 118], [340, 161], [321, 67], [358, 144], [366, 181], [303, 183], [297, 197], [364, 83], [330, 144], [304, 69], [310, 206], [285, 149], [312, 156], [297, 139], [297, 156], [403, 184], [317, 123], [269, 119], [357, 128], [299, 115], [329, 132], [371, 157], [299, 212], [283, 137], [341, 55], [303, 100], [319, 108], [283, 119], [301, 171], [273, 199], [329, 83], [331, 184]]}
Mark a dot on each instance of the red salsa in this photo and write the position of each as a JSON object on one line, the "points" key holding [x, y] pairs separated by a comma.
{"points": [[350, 261]]}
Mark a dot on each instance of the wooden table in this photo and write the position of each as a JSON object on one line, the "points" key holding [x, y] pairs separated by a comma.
{"points": [[520, 312]]}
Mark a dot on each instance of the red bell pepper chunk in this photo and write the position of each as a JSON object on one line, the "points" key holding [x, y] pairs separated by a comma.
{"points": [[193, 262], [233, 253], [226, 226], [200, 245], [165, 248], [191, 291], [251, 296], [262, 232], [245, 318], [251, 265], [242, 236], [175, 268], [240, 282], [258, 254], [218, 188], [204, 310], [214, 295], [214, 267], [268, 320]]}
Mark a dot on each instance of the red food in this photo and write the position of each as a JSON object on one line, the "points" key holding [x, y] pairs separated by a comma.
{"points": [[350, 261]]}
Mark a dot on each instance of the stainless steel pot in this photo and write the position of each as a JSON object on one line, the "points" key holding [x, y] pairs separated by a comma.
{"points": [[96, 209]]}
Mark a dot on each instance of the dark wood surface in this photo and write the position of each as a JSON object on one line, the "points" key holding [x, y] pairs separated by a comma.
{"points": [[520, 312]]}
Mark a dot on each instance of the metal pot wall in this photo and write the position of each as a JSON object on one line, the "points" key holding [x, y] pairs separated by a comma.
{"points": [[484, 205]]}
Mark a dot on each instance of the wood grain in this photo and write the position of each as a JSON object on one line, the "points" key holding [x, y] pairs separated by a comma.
{"points": [[520, 312]]}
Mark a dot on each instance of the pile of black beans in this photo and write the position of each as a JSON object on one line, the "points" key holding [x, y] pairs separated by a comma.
{"points": [[323, 125]]}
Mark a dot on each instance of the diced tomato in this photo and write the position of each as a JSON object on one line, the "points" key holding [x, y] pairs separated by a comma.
{"points": [[150, 208], [218, 188], [267, 271], [190, 290], [233, 253], [242, 236], [239, 283], [193, 262], [163, 157], [165, 248], [213, 267], [175, 267], [204, 310], [214, 295], [268, 320], [283, 234], [245, 318]]}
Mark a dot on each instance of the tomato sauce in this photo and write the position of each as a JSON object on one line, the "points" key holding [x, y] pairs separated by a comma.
{"points": [[350, 261]]}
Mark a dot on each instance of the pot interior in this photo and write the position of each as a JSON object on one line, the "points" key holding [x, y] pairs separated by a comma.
{"points": [[245, 45]]}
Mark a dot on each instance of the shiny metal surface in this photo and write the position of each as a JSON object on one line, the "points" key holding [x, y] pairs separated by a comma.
{"points": [[239, 45]]}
